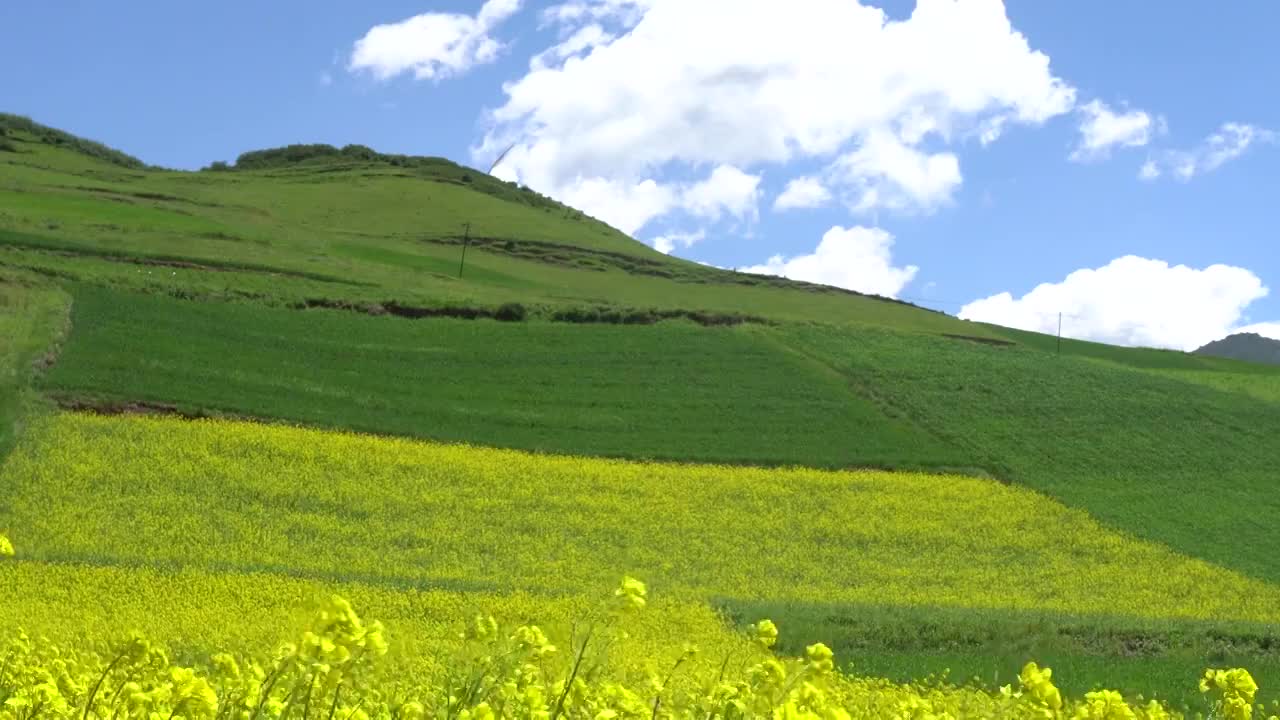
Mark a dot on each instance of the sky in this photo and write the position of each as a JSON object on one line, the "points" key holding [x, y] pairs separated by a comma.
{"points": [[1118, 163]]}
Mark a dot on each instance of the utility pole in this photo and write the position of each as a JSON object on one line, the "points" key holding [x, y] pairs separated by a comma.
{"points": [[466, 240], [1059, 333]]}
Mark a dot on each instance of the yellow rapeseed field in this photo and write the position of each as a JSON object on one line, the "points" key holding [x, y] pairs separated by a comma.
{"points": [[331, 670], [198, 612], [245, 497]]}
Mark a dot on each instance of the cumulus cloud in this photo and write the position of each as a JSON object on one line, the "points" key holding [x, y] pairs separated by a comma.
{"points": [[801, 193], [630, 204], [432, 46], [885, 172], [668, 243], [1269, 330], [1102, 129], [626, 205], [727, 190], [651, 95], [1132, 301], [857, 258], [1227, 143]]}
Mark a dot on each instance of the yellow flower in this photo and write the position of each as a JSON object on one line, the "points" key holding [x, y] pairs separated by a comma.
{"points": [[6, 547], [1039, 685], [820, 657], [632, 594], [412, 711], [766, 633]]}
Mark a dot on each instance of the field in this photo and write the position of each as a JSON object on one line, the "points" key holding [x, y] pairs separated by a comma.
{"points": [[274, 387], [1107, 439], [134, 491], [32, 317], [672, 391]]}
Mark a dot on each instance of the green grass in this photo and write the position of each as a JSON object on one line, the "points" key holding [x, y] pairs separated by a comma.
{"points": [[673, 390], [1151, 658], [392, 233], [1177, 462], [32, 315]]}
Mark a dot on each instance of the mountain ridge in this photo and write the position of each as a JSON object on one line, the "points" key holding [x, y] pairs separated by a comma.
{"points": [[1250, 347]]}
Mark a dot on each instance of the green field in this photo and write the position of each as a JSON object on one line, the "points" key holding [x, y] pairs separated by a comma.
{"points": [[726, 437], [673, 390], [1177, 462]]}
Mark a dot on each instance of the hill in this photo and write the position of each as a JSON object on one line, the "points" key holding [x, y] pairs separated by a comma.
{"points": [[1245, 346], [570, 405]]}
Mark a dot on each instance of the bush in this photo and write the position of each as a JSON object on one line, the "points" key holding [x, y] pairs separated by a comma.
{"points": [[511, 312]]}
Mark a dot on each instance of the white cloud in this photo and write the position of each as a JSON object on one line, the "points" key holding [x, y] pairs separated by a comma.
{"points": [[1269, 330], [1102, 129], [859, 258], [1132, 301], [628, 12], [626, 205], [802, 192], [658, 95], [885, 173], [1228, 142], [666, 244], [432, 45], [726, 190], [584, 38]]}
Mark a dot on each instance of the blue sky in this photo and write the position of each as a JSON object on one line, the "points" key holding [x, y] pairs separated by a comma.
{"points": [[1117, 162]]}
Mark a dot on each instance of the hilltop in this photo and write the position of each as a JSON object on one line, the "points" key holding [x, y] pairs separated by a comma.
{"points": [[1245, 346], [315, 225], [922, 491]]}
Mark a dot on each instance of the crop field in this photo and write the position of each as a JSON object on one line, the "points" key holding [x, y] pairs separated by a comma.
{"points": [[32, 315], [496, 669], [1107, 439], [672, 391], [319, 506]]}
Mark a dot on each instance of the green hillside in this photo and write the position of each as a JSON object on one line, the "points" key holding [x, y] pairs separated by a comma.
{"points": [[920, 491]]}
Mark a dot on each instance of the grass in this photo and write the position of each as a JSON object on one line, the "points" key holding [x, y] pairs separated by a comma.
{"points": [[393, 233], [673, 390], [850, 558], [32, 314], [1172, 461]]}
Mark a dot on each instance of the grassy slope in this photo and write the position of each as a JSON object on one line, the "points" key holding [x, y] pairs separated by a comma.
{"points": [[673, 390], [1176, 462], [1129, 444], [387, 233], [933, 555], [32, 314]]}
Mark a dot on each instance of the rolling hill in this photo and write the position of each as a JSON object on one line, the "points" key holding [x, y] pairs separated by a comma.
{"points": [[343, 402]]}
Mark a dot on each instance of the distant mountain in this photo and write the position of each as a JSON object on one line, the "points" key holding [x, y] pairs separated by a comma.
{"points": [[1245, 346]]}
